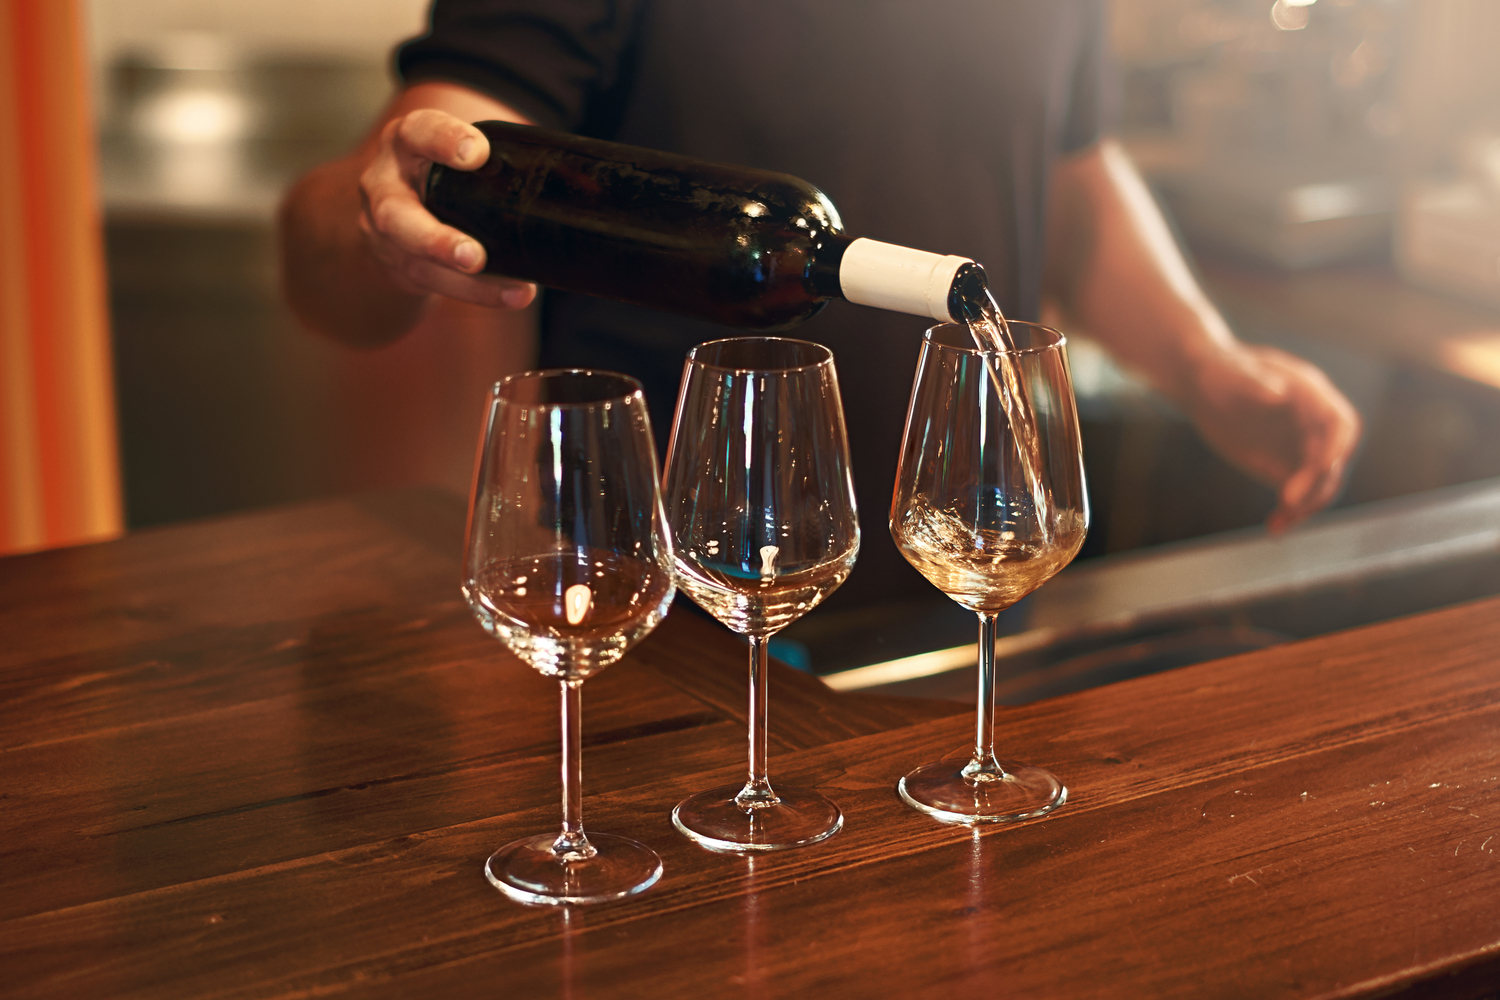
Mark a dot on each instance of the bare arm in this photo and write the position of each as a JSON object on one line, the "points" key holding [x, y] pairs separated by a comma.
{"points": [[361, 258], [1114, 266]]}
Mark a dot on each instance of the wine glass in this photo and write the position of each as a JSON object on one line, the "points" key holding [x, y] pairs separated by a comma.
{"points": [[761, 505], [966, 517], [568, 563]]}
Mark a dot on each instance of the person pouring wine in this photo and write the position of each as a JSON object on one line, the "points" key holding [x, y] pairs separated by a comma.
{"points": [[964, 127]]}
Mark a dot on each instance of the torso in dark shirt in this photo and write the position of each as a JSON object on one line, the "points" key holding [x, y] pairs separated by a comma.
{"points": [[930, 123]]}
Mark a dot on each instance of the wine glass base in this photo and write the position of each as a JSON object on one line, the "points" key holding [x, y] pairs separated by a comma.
{"points": [[941, 791], [714, 820], [528, 872]]}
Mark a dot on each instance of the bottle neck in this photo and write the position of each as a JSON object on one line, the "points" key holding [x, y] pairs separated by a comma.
{"points": [[887, 276], [827, 258]]}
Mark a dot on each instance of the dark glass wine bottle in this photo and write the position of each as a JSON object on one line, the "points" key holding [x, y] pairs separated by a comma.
{"points": [[732, 245]]}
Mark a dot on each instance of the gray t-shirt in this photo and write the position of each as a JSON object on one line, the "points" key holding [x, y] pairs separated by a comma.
{"points": [[930, 123]]}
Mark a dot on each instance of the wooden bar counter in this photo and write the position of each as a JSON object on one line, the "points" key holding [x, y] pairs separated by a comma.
{"points": [[266, 756]]}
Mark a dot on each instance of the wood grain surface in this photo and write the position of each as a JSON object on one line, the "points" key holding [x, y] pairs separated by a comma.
{"points": [[266, 756]]}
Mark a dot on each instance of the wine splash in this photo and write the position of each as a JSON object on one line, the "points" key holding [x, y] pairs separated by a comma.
{"points": [[985, 569]]}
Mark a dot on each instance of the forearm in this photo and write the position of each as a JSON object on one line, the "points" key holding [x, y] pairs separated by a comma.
{"points": [[1114, 267], [333, 283]]}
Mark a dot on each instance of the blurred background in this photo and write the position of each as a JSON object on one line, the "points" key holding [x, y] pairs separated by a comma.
{"points": [[206, 110], [1333, 167]]}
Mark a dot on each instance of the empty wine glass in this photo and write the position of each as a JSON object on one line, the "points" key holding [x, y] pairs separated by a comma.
{"points": [[568, 563], [965, 516], [761, 506]]}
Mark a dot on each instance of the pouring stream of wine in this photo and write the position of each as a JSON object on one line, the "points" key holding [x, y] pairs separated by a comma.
{"points": [[991, 333]]}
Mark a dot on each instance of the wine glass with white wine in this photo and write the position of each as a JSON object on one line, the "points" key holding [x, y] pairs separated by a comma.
{"points": [[989, 504], [568, 563], [761, 506]]}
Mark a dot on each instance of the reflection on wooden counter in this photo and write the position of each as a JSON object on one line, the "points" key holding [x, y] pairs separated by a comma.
{"points": [[268, 755]]}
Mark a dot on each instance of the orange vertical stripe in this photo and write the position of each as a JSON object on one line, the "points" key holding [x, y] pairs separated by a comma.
{"points": [[20, 500], [57, 430]]}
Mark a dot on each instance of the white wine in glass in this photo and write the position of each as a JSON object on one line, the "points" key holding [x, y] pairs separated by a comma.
{"points": [[988, 508], [568, 563], [761, 506]]}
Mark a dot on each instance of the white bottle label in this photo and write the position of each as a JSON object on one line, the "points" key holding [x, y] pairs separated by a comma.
{"points": [[898, 278]]}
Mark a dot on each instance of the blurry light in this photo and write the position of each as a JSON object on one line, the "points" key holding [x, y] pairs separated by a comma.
{"points": [[1336, 200], [1316, 202], [194, 116], [1289, 17], [754, 209], [1474, 355], [1485, 160], [1300, 3]]}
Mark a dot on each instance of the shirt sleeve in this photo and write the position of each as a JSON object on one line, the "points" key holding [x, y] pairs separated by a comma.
{"points": [[1094, 94], [549, 59]]}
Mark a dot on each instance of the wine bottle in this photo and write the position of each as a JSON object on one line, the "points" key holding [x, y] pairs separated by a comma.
{"points": [[732, 245]]}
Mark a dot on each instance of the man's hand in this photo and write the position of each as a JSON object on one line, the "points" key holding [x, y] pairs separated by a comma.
{"points": [[1279, 419], [423, 255], [361, 257]]}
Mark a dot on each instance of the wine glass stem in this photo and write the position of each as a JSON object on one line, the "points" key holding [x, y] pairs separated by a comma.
{"points": [[572, 844], [983, 765], [757, 791]]}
